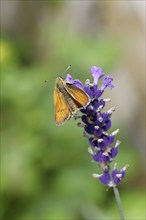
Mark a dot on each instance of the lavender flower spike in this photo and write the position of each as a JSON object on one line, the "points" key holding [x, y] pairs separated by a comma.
{"points": [[96, 123]]}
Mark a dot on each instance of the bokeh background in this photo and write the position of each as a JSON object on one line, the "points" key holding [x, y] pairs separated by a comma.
{"points": [[46, 170]]}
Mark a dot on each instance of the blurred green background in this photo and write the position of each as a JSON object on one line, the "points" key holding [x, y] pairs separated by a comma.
{"points": [[46, 170]]}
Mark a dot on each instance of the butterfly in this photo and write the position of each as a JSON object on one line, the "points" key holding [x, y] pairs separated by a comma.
{"points": [[67, 99]]}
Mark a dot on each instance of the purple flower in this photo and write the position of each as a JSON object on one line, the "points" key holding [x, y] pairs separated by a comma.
{"points": [[107, 83], [105, 177], [111, 178], [96, 123], [96, 72], [118, 176]]}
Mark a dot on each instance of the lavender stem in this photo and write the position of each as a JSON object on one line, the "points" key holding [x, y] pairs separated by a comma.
{"points": [[118, 201]]}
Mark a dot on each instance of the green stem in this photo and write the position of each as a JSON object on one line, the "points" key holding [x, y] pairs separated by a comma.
{"points": [[118, 201]]}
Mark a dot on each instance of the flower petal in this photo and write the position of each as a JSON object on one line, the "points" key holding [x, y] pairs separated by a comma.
{"points": [[114, 152], [96, 72], [118, 176], [98, 156], [107, 83], [105, 178]]}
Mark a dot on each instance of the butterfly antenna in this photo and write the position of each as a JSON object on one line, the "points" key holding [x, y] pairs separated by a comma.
{"points": [[46, 81], [67, 69]]}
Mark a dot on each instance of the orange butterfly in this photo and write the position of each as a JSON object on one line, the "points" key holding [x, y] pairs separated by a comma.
{"points": [[67, 99]]}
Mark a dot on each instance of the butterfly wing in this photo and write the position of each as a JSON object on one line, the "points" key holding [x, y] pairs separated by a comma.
{"points": [[80, 97], [62, 112]]}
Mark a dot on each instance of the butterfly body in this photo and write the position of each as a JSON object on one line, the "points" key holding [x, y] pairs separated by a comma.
{"points": [[67, 99]]}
